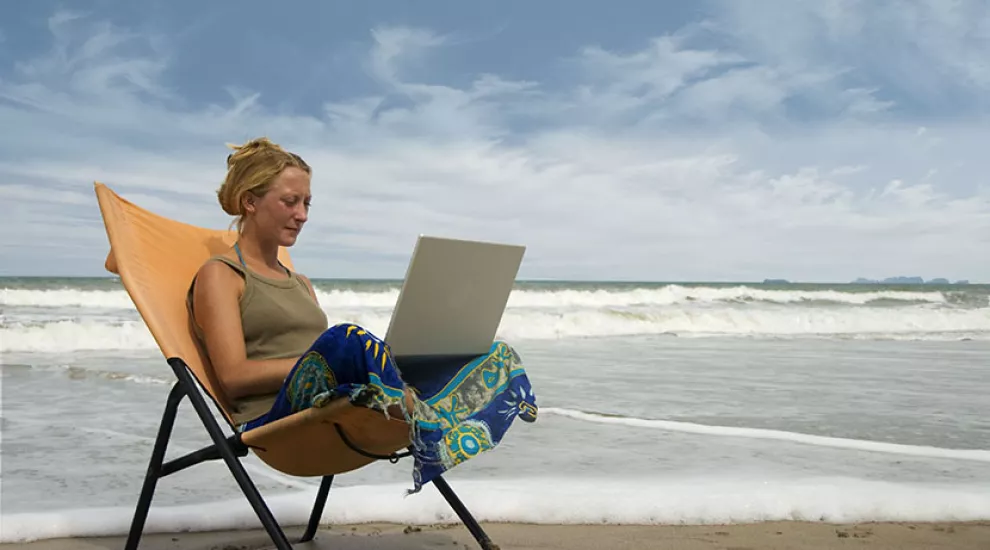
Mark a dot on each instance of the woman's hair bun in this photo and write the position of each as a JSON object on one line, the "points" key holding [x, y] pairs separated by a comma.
{"points": [[251, 168]]}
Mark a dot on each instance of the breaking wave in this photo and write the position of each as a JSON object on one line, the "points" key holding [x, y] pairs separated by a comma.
{"points": [[561, 298], [911, 323]]}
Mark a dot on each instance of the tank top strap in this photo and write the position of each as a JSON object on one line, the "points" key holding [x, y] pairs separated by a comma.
{"points": [[237, 248], [238, 267]]}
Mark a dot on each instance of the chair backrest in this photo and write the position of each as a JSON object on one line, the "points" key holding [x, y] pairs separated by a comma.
{"points": [[156, 259]]}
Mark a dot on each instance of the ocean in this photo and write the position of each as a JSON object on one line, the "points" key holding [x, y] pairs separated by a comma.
{"points": [[659, 403]]}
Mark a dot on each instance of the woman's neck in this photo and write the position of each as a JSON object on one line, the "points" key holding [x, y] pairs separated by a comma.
{"points": [[260, 251]]}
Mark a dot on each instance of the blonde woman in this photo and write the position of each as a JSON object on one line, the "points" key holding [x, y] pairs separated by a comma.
{"points": [[274, 352]]}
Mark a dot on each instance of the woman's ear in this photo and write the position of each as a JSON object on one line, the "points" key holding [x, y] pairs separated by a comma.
{"points": [[248, 203]]}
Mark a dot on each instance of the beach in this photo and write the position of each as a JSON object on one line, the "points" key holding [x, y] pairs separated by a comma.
{"points": [[749, 248], [769, 536], [672, 415]]}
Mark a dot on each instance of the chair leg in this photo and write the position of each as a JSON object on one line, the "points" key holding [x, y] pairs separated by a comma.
{"points": [[465, 515], [155, 466], [233, 464], [314, 517]]}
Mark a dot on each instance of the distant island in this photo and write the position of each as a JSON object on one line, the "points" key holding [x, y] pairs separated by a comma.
{"points": [[908, 281]]}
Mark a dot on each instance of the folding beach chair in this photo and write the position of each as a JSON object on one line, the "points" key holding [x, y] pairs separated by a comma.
{"points": [[156, 259]]}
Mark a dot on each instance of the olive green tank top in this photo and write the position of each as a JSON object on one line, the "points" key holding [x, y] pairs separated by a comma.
{"points": [[279, 318]]}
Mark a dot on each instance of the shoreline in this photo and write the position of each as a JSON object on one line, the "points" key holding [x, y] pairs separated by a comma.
{"points": [[797, 535]]}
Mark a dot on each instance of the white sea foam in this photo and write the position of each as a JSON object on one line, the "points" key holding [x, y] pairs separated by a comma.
{"points": [[708, 500], [915, 323], [62, 336], [83, 372], [564, 298], [679, 294], [978, 455], [66, 298]]}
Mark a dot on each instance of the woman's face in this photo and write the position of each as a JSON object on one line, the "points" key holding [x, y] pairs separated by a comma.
{"points": [[281, 213]]}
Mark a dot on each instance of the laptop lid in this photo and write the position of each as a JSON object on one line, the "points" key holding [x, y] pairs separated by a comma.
{"points": [[453, 297]]}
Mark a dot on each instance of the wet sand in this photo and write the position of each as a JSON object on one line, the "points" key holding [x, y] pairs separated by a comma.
{"points": [[759, 536]]}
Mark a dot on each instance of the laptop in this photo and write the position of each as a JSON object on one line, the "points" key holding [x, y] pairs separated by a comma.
{"points": [[452, 299]]}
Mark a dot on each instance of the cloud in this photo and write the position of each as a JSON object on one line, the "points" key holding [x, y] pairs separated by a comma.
{"points": [[393, 45], [923, 55], [88, 65], [722, 151]]}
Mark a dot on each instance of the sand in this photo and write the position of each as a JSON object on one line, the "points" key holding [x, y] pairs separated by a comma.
{"points": [[760, 536]]}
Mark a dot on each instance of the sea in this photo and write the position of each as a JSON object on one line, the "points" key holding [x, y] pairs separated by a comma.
{"points": [[659, 403]]}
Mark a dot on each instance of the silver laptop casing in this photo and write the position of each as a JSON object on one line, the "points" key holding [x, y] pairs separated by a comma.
{"points": [[453, 297]]}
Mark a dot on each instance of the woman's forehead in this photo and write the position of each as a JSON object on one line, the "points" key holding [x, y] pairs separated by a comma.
{"points": [[292, 180]]}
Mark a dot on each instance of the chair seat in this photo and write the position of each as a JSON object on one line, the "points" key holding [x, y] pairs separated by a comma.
{"points": [[307, 443]]}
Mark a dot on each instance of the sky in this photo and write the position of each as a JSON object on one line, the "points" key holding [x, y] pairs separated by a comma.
{"points": [[814, 141]]}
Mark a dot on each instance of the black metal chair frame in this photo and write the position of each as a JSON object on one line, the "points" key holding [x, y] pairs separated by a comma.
{"points": [[230, 450]]}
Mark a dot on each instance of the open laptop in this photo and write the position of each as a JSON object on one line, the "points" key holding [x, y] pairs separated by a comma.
{"points": [[452, 299]]}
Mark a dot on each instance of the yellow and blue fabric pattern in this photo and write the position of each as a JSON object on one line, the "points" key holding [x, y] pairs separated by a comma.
{"points": [[459, 411]]}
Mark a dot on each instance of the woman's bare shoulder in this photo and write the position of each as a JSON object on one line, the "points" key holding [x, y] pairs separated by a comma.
{"points": [[216, 294], [216, 274]]}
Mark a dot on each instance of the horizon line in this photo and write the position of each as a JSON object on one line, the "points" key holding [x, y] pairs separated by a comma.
{"points": [[764, 282]]}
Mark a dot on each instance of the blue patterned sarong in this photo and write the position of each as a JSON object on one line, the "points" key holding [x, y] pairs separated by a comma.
{"points": [[459, 411]]}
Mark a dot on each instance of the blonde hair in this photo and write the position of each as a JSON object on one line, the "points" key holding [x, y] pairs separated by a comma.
{"points": [[252, 168]]}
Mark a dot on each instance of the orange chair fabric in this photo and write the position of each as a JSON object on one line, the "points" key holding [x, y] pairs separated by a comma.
{"points": [[156, 259]]}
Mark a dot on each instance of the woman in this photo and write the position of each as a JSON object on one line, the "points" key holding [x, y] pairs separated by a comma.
{"points": [[274, 353]]}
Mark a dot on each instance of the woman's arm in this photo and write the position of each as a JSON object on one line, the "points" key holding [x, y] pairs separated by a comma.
{"points": [[217, 313]]}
